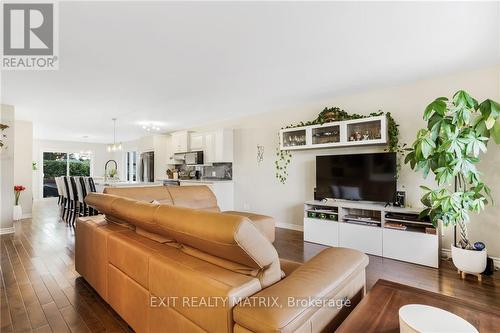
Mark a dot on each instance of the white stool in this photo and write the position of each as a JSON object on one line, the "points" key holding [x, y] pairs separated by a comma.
{"points": [[420, 318]]}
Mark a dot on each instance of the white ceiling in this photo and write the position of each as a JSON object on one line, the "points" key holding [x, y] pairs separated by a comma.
{"points": [[186, 64]]}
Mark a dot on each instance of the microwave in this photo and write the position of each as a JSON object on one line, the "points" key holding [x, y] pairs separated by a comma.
{"points": [[193, 158]]}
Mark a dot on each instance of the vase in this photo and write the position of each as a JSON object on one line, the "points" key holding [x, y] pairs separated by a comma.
{"points": [[17, 213], [469, 261]]}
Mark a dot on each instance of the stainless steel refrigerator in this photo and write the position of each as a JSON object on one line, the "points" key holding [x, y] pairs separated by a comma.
{"points": [[147, 167]]}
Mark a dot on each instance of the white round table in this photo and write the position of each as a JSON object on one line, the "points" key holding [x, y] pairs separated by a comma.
{"points": [[428, 319]]}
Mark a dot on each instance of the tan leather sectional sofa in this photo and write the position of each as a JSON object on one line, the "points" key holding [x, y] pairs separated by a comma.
{"points": [[165, 268], [196, 197]]}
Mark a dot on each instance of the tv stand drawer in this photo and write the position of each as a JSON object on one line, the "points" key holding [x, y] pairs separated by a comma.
{"points": [[364, 238], [319, 231], [418, 248]]}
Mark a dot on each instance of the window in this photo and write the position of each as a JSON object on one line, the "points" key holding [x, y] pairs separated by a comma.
{"points": [[57, 164], [79, 164], [131, 165]]}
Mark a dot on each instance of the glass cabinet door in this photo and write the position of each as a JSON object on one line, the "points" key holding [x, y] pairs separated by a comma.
{"points": [[327, 134], [294, 138], [364, 131]]}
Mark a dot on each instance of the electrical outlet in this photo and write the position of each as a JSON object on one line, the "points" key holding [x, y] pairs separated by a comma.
{"points": [[214, 174]]}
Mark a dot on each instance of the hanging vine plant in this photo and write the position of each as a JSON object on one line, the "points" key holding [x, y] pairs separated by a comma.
{"points": [[284, 157]]}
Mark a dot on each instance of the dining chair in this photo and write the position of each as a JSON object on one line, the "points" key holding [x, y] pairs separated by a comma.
{"points": [[67, 200], [82, 193], [76, 203], [59, 190], [90, 187]]}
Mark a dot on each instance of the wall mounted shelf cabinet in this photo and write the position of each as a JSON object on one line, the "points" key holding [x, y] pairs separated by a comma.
{"points": [[365, 131]]}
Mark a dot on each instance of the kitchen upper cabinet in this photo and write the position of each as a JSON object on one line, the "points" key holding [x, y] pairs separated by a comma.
{"points": [[180, 141], [196, 141], [209, 147], [218, 146]]}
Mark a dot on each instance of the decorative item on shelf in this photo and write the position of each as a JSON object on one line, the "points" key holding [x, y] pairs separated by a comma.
{"points": [[2, 136], [393, 225], [34, 166], [457, 131], [430, 230], [336, 114], [18, 211], [400, 199], [311, 214], [332, 114]]}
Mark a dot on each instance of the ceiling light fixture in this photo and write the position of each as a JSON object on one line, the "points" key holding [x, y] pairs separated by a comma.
{"points": [[114, 147], [148, 127]]}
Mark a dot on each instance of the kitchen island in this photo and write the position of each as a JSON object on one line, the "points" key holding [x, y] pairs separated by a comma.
{"points": [[100, 184], [222, 188]]}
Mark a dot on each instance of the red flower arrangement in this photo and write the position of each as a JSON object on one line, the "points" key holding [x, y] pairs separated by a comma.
{"points": [[17, 190]]}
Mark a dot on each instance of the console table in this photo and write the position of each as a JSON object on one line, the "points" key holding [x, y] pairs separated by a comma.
{"points": [[369, 227]]}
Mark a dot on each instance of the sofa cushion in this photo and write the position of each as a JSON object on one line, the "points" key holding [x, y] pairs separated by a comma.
{"points": [[263, 223], [192, 281], [326, 276], [91, 260], [130, 253], [195, 197], [146, 193], [227, 236]]}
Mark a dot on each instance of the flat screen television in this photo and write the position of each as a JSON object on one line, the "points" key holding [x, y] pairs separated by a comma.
{"points": [[361, 177]]}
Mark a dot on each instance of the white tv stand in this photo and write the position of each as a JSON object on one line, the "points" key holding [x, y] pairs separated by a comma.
{"points": [[362, 226]]}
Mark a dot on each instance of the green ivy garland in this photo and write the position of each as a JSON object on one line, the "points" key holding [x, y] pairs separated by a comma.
{"points": [[336, 114]]}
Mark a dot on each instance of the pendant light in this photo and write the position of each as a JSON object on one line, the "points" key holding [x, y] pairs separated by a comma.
{"points": [[115, 146]]}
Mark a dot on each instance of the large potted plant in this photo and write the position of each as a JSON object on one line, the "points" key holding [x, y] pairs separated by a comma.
{"points": [[457, 132]]}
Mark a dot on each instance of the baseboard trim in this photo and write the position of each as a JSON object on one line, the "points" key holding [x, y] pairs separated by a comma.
{"points": [[6, 231], [445, 253], [290, 226]]}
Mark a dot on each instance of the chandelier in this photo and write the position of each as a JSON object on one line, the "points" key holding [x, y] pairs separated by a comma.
{"points": [[115, 146]]}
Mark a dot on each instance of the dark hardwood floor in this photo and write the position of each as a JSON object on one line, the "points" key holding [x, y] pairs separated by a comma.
{"points": [[40, 290]]}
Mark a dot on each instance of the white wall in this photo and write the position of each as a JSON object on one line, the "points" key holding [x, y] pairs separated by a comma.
{"points": [[23, 158], [100, 156], [7, 116], [257, 189]]}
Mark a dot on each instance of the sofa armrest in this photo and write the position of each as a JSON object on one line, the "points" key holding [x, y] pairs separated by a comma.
{"points": [[292, 302]]}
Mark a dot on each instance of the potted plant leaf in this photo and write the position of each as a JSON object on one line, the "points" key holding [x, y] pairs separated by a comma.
{"points": [[457, 132]]}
